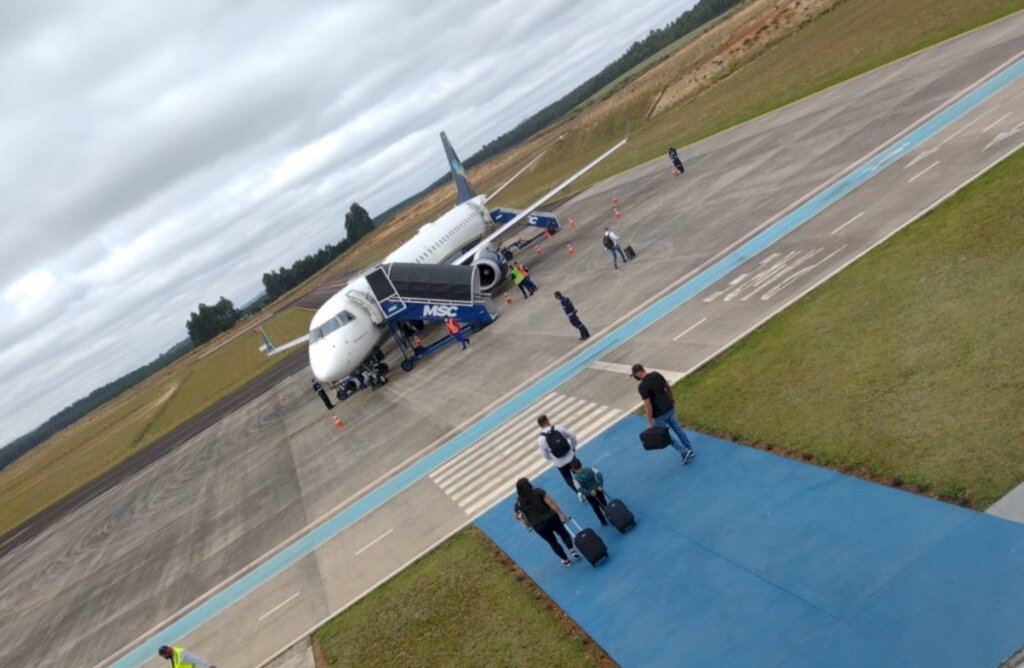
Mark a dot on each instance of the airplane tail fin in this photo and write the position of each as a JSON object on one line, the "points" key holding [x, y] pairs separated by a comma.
{"points": [[267, 346], [462, 185]]}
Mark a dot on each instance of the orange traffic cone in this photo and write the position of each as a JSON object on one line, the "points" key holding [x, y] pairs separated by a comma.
{"points": [[570, 249], [675, 172], [283, 399], [547, 233], [615, 201], [539, 251], [572, 222], [508, 298], [338, 422], [618, 214]]}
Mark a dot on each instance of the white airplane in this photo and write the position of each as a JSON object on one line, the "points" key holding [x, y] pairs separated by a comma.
{"points": [[345, 331]]}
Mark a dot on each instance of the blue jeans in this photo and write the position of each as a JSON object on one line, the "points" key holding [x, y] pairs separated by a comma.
{"points": [[617, 249], [669, 419]]}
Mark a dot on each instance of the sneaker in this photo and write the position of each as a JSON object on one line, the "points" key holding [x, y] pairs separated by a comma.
{"points": [[566, 562], [687, 456], [575, 554], [580, 495]]}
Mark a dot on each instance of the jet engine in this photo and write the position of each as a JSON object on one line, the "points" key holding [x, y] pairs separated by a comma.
{"points": [[491, 269]]}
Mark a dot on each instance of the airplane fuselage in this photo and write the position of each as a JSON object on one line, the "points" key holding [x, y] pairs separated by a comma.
{"points": [[342, 333]]}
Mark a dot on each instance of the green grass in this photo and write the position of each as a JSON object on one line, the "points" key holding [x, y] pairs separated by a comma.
{"points": [[129, 423], [227, 369], [906, 367], [854, 37], [460, 605]]}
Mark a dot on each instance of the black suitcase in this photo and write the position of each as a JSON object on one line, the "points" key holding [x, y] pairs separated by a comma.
{"points": [[619, 515], [655, 438], [589, 544], [630, 253]]}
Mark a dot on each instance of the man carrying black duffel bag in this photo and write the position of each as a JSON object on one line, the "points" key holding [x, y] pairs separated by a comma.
{"points": [[661, 409]]}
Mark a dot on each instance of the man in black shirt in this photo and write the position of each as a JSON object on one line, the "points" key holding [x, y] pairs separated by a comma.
{"points": [[661, 408]]}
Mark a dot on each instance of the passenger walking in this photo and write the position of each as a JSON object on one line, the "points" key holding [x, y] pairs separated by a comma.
{"points": [[527, 281], [456, 331], [181, 658], [660, 407], [590, 484], [611, 242], [518, 279], [319, 389], [673, 155], [558, 446], [574, 318], [539, 512]]}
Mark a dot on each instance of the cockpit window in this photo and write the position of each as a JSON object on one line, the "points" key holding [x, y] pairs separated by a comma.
{"points": [[334, 324]]}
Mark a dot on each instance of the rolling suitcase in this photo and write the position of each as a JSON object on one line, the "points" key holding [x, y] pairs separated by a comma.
{"points": [[619, 515], [655, 438], [630, 253], [589, 544]]}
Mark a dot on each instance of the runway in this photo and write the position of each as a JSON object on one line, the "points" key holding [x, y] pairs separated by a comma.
{"points": [[115, 569]]}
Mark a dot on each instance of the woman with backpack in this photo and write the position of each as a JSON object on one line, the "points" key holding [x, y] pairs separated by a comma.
{"points": [[539, 512]]}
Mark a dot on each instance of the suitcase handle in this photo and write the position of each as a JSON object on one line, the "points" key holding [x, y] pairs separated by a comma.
{"points": [[575, 524]]}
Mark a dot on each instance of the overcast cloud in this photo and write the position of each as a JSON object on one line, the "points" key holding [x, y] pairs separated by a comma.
{"points": [[158, 155]]}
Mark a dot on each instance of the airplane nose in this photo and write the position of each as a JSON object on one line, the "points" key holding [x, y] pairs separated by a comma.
{"points": [[329, 363]]}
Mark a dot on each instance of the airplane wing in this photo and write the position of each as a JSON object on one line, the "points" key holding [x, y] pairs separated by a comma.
{"points": [[468, 255], [270, 349], [516, 175]]}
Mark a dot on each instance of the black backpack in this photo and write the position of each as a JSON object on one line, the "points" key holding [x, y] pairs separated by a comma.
{"points": [[608, 243], [557, 443]]}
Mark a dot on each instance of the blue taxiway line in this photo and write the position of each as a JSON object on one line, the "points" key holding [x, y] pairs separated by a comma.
{"points": [[406, 478]]}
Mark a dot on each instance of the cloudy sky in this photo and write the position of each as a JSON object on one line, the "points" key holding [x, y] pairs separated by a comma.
{"points": [[154, 155]]}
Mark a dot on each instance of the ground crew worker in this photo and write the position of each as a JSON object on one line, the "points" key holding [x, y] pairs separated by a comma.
{"points": [[518, 279], [319, 389], [673, 155], [527, 281], [574, 318], [181, 658], [456, 332]]}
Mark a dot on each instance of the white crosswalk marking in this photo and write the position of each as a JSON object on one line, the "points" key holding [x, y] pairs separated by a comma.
{"points": [[487, 471]]}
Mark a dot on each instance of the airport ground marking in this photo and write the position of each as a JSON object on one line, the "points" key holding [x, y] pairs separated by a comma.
{"points": [[937, 120], [279, 606], [855, 218], [996, 122], [374, 541], [922, 172], [689, 329]]}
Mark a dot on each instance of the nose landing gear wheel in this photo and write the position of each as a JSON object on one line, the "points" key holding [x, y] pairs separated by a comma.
{"points": [[407, 365]]}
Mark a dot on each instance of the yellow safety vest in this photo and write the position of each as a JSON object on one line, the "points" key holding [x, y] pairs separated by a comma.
{"points": [[176, 661]]}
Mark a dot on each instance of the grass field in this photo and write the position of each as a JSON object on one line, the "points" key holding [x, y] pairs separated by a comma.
{"points": [[132, 421], [463, 604], [854, 37], [906, 367]]}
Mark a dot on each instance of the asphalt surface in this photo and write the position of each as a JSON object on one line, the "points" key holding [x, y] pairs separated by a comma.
{"points": [[148, 550]]}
